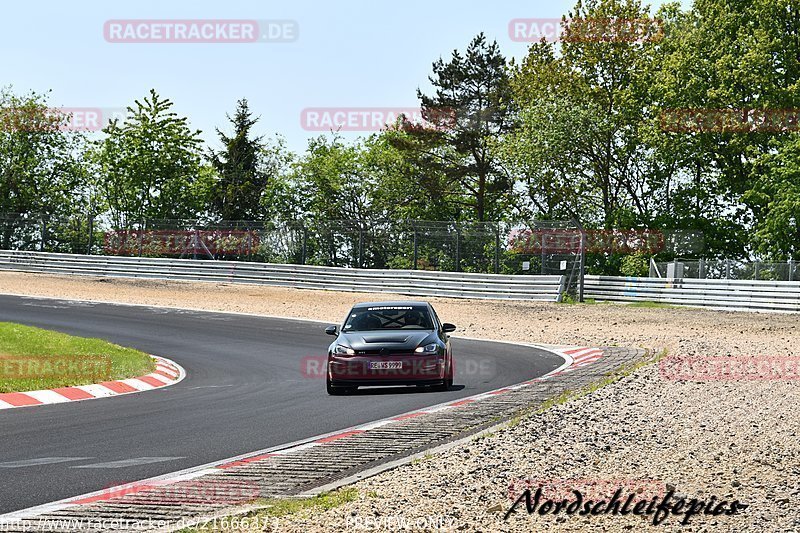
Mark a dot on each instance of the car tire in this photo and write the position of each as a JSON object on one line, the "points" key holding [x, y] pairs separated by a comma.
{"points": [[447, 383]]}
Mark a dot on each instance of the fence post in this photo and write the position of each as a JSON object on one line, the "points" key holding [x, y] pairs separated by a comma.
{"points": [[141, 237], [727, 269], [458, 248], [43, 242], [497, 249], [360, 245], [701, 269], [91, 234], [582, 265], [756, 269], [415, 248], [303, 252], [791, 269], [541, 267]]}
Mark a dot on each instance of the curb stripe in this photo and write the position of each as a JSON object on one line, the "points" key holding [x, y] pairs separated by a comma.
{"points": [[461, 402], [406, 417], [166, 373], [339, 436], [18, 399], [73, 393], [246, 461], [150, 380], [169, 376], [118, 387], [47, 396], [137, 384]]}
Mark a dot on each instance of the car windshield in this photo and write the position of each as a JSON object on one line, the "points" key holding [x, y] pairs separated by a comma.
{"points": [[381, 318]]}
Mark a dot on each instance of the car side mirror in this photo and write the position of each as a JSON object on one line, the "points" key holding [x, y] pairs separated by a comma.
{"points": [[331, 330], [448, 328]]}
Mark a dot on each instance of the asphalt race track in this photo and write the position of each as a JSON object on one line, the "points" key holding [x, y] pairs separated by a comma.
{"points": [[246, 390]]}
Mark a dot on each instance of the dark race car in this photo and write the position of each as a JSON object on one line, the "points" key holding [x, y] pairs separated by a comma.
{"points": [[390, 343]]}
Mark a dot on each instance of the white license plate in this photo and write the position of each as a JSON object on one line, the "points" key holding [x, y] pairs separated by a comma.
{"points": [[385, 365]]}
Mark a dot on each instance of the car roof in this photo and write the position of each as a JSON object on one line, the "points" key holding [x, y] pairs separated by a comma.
{"points": [[399, 303]]}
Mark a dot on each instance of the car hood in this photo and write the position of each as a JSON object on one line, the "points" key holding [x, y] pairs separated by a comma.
{"points": [[375, 340]]}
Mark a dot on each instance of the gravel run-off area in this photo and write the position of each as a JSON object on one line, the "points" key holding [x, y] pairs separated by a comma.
{"points": [[733, 439]]}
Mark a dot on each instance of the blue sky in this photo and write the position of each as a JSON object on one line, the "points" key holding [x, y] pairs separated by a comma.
{"points": [[351, 53]]}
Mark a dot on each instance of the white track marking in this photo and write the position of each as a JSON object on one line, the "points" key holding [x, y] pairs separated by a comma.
{"points": [[125, 463], [41, 461]]}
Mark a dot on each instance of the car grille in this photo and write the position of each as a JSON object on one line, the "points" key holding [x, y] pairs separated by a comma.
{"points": [[385, 352]]}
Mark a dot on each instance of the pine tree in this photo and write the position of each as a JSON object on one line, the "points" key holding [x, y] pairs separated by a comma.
{"points": [[237, 193]]}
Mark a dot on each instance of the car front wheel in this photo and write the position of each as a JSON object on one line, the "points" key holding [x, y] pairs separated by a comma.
{"points": [[447, 383]]}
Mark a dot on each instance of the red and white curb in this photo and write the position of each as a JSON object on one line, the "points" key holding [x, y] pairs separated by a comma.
{"points": [[579, 356], [167, 373], [574, 357]]}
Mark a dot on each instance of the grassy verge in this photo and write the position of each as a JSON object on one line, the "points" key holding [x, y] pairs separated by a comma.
{"points": [[276, 508], [33, 359], [648, 304], [569, 300]]}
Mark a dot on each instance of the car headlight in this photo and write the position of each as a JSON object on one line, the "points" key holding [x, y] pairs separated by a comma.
{"points": [[343, 350], [430, 348]]}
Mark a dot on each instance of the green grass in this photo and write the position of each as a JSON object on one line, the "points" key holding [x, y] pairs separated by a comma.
{"points": [[568, 299], [33, 359], [424, 458], [648, 304], [278, 507]]}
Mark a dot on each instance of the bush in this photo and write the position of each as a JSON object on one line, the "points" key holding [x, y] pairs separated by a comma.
{"points": [[637, 265]]}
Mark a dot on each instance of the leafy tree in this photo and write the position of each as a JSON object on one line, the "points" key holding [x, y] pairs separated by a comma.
{"points": [[41, 174], [735, 56], [581, 150], [777, 190], [149, 166], [471, 109]]}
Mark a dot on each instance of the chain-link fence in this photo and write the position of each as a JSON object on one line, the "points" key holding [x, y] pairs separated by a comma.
{"points": [[551, 247], [726, 269], [46, 233]]}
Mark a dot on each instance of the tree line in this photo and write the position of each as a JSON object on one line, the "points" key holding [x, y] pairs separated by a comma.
{"points": [[576, 130]]}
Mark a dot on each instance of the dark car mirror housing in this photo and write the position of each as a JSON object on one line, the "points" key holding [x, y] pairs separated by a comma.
{"points": [[332, 330], [448, 328]]}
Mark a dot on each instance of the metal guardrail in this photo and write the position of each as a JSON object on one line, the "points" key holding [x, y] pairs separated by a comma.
{"points": [[741, 295], [408, 282]]}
